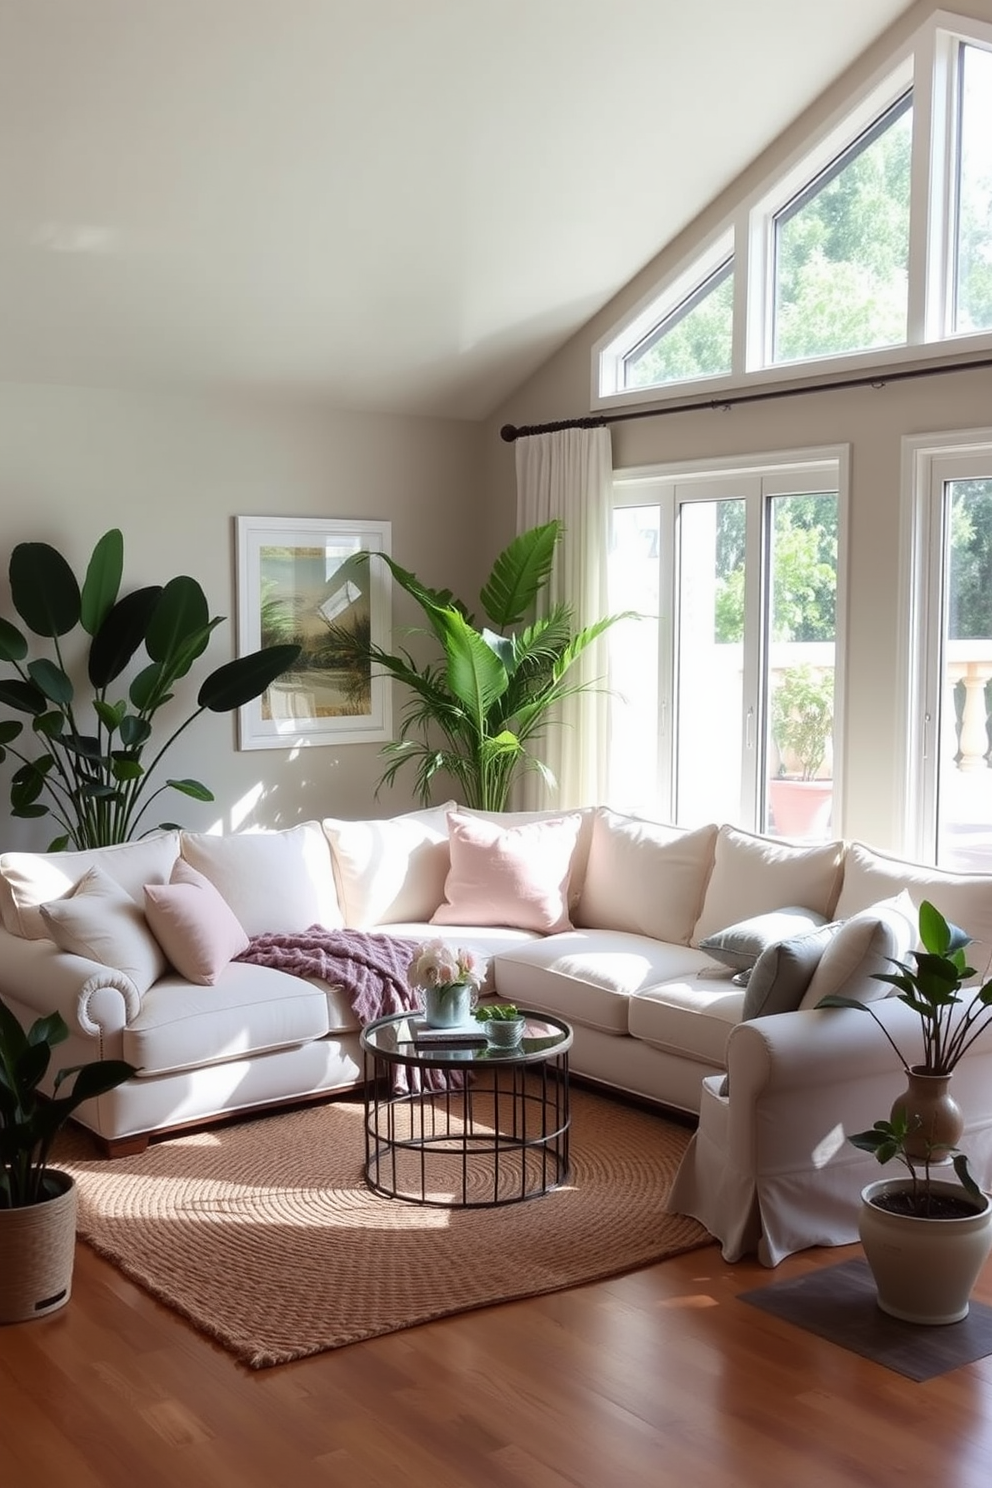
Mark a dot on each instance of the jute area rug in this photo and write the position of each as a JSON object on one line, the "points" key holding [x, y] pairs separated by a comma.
{"points": [[264, 1236]]}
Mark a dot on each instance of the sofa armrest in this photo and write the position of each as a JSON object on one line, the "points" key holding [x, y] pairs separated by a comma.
{"points": [[94, 1000], [800, 1083]]}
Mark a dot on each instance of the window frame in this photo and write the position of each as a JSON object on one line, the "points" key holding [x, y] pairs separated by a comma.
{"points": [[757, 479], [928, 65]]}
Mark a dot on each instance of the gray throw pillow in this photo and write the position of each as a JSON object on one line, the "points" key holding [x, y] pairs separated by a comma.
{"points": [[783, 972], [741, 945]]}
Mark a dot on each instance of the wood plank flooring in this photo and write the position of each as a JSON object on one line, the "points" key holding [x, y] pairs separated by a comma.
{"points": [[658, 1378]]}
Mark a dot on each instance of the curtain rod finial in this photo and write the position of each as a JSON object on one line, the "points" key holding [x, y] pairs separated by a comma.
{"points": [[508, 433]]}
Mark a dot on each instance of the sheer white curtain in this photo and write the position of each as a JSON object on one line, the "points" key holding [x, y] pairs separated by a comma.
{"points": [[568, 474]]}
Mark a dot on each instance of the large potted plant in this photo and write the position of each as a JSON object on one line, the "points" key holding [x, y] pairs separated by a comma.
{"points": [[85, 765], [926, 1238], [37, 1201], [802, 720], [475, 712]]}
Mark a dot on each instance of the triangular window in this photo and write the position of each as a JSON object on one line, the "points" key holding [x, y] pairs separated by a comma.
{"points": [[694, 340]]}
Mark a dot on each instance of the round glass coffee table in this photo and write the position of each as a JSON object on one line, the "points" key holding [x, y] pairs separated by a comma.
{"points": [[462, 1125]]}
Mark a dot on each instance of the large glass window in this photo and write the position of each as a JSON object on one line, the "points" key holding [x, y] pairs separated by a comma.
{"points": [[950, 755], [973, 236], [872, 249], [842, 249], [725, 690]]}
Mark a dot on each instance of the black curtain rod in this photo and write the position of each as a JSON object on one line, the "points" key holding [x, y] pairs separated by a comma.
{"points": [[510, 432]]}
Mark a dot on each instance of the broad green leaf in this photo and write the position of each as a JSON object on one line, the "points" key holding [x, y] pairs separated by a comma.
{"points": [[49, 725], [125, 767], [475, 673], [109, 714], [87, 746], [519, 574], [122, 632], [13, 645], [44, 589], [180, 613], [192, 788], [102, 583], [23, 696], [9, 730], [245, 678], [135, 731], [52, 681], [149, 689], [27, 813]]}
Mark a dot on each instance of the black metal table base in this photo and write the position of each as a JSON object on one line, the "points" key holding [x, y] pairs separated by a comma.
{"points": [[499, 1137]]}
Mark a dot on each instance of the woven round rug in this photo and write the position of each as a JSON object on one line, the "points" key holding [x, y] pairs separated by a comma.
{"points": [[264, 1235]]}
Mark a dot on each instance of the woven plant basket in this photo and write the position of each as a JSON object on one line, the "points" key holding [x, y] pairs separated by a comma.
{"points": [[37, 1248]]}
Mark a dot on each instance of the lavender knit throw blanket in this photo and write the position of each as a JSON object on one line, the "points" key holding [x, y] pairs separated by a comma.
{"points": [[372, 970]]}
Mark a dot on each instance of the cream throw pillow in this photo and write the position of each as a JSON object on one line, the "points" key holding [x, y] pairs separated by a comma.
{"points": [[864, 945], [98, 920], [392, 871], [645, 877], [753, 875], [28, 880], [274, 882]]}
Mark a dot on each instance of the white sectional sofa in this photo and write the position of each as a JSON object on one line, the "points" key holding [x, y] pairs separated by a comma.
{"points": [[633, 931]]}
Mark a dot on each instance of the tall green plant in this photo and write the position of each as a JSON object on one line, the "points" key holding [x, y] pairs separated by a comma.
{"points": [[89, 771], [475, 713]]}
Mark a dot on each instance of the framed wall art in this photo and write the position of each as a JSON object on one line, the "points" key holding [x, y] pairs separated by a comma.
{"points": [[304, 580]]}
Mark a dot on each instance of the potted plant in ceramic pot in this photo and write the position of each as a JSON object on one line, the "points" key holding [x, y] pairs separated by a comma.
{"points": [[502, 1023], [37, 1201], [925, 1238], [802, 720]]}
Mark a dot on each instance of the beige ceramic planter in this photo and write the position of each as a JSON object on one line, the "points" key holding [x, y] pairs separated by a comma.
{"points": [[37, 1249], [924, 1269]]}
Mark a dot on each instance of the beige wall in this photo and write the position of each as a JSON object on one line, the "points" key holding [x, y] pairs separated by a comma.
{"points": [[871, 421], [172, 472]]}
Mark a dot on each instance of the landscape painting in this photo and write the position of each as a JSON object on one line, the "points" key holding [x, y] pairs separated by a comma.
{"points": [[310, 582]]}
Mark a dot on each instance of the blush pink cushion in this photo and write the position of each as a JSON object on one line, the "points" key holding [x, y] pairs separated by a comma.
{"points": [[509, 875], [194, 924]]}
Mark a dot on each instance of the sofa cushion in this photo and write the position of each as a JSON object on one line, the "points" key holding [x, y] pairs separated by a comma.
{"points": [[194, 925], [782, 973], [249, 1010], [752, 875], [741, 945], [273, 881], [589, 976], [99, 920], [645, 877], [580, 855], [689, 1016], [389, 870], [864, 945], [963, 898], [509, 875], [28, 880]]}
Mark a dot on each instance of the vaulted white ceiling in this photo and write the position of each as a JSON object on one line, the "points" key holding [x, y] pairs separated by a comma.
{"points": [[397, 205]]}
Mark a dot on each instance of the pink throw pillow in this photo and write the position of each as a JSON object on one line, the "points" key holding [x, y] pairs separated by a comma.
{"points": [[509, 875], [195, 926]]}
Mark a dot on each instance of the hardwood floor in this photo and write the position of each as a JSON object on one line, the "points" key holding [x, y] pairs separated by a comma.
{"points": [[659, 1378]]}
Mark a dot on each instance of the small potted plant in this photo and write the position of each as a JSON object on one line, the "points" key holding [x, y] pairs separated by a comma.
{"points": [[37, 1201], [802, 720], [925, 1238], [502, 1023]]}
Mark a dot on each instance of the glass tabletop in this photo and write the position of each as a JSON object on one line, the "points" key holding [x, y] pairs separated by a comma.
{"points": [[404, 1038]]}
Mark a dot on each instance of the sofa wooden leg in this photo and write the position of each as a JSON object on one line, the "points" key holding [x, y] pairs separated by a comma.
{"points": [[125, 1146]]}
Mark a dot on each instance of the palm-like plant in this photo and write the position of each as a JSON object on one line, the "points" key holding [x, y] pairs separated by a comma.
{"points": [[89, 773], [473, 713]]}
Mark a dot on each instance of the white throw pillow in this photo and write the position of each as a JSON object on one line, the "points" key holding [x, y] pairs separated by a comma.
{"points": [[274, 882], [752, 875], [390, 871], [100, 921], [864, 945], [965, 899], [194, 925], [645, 877], [31, 879]]}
